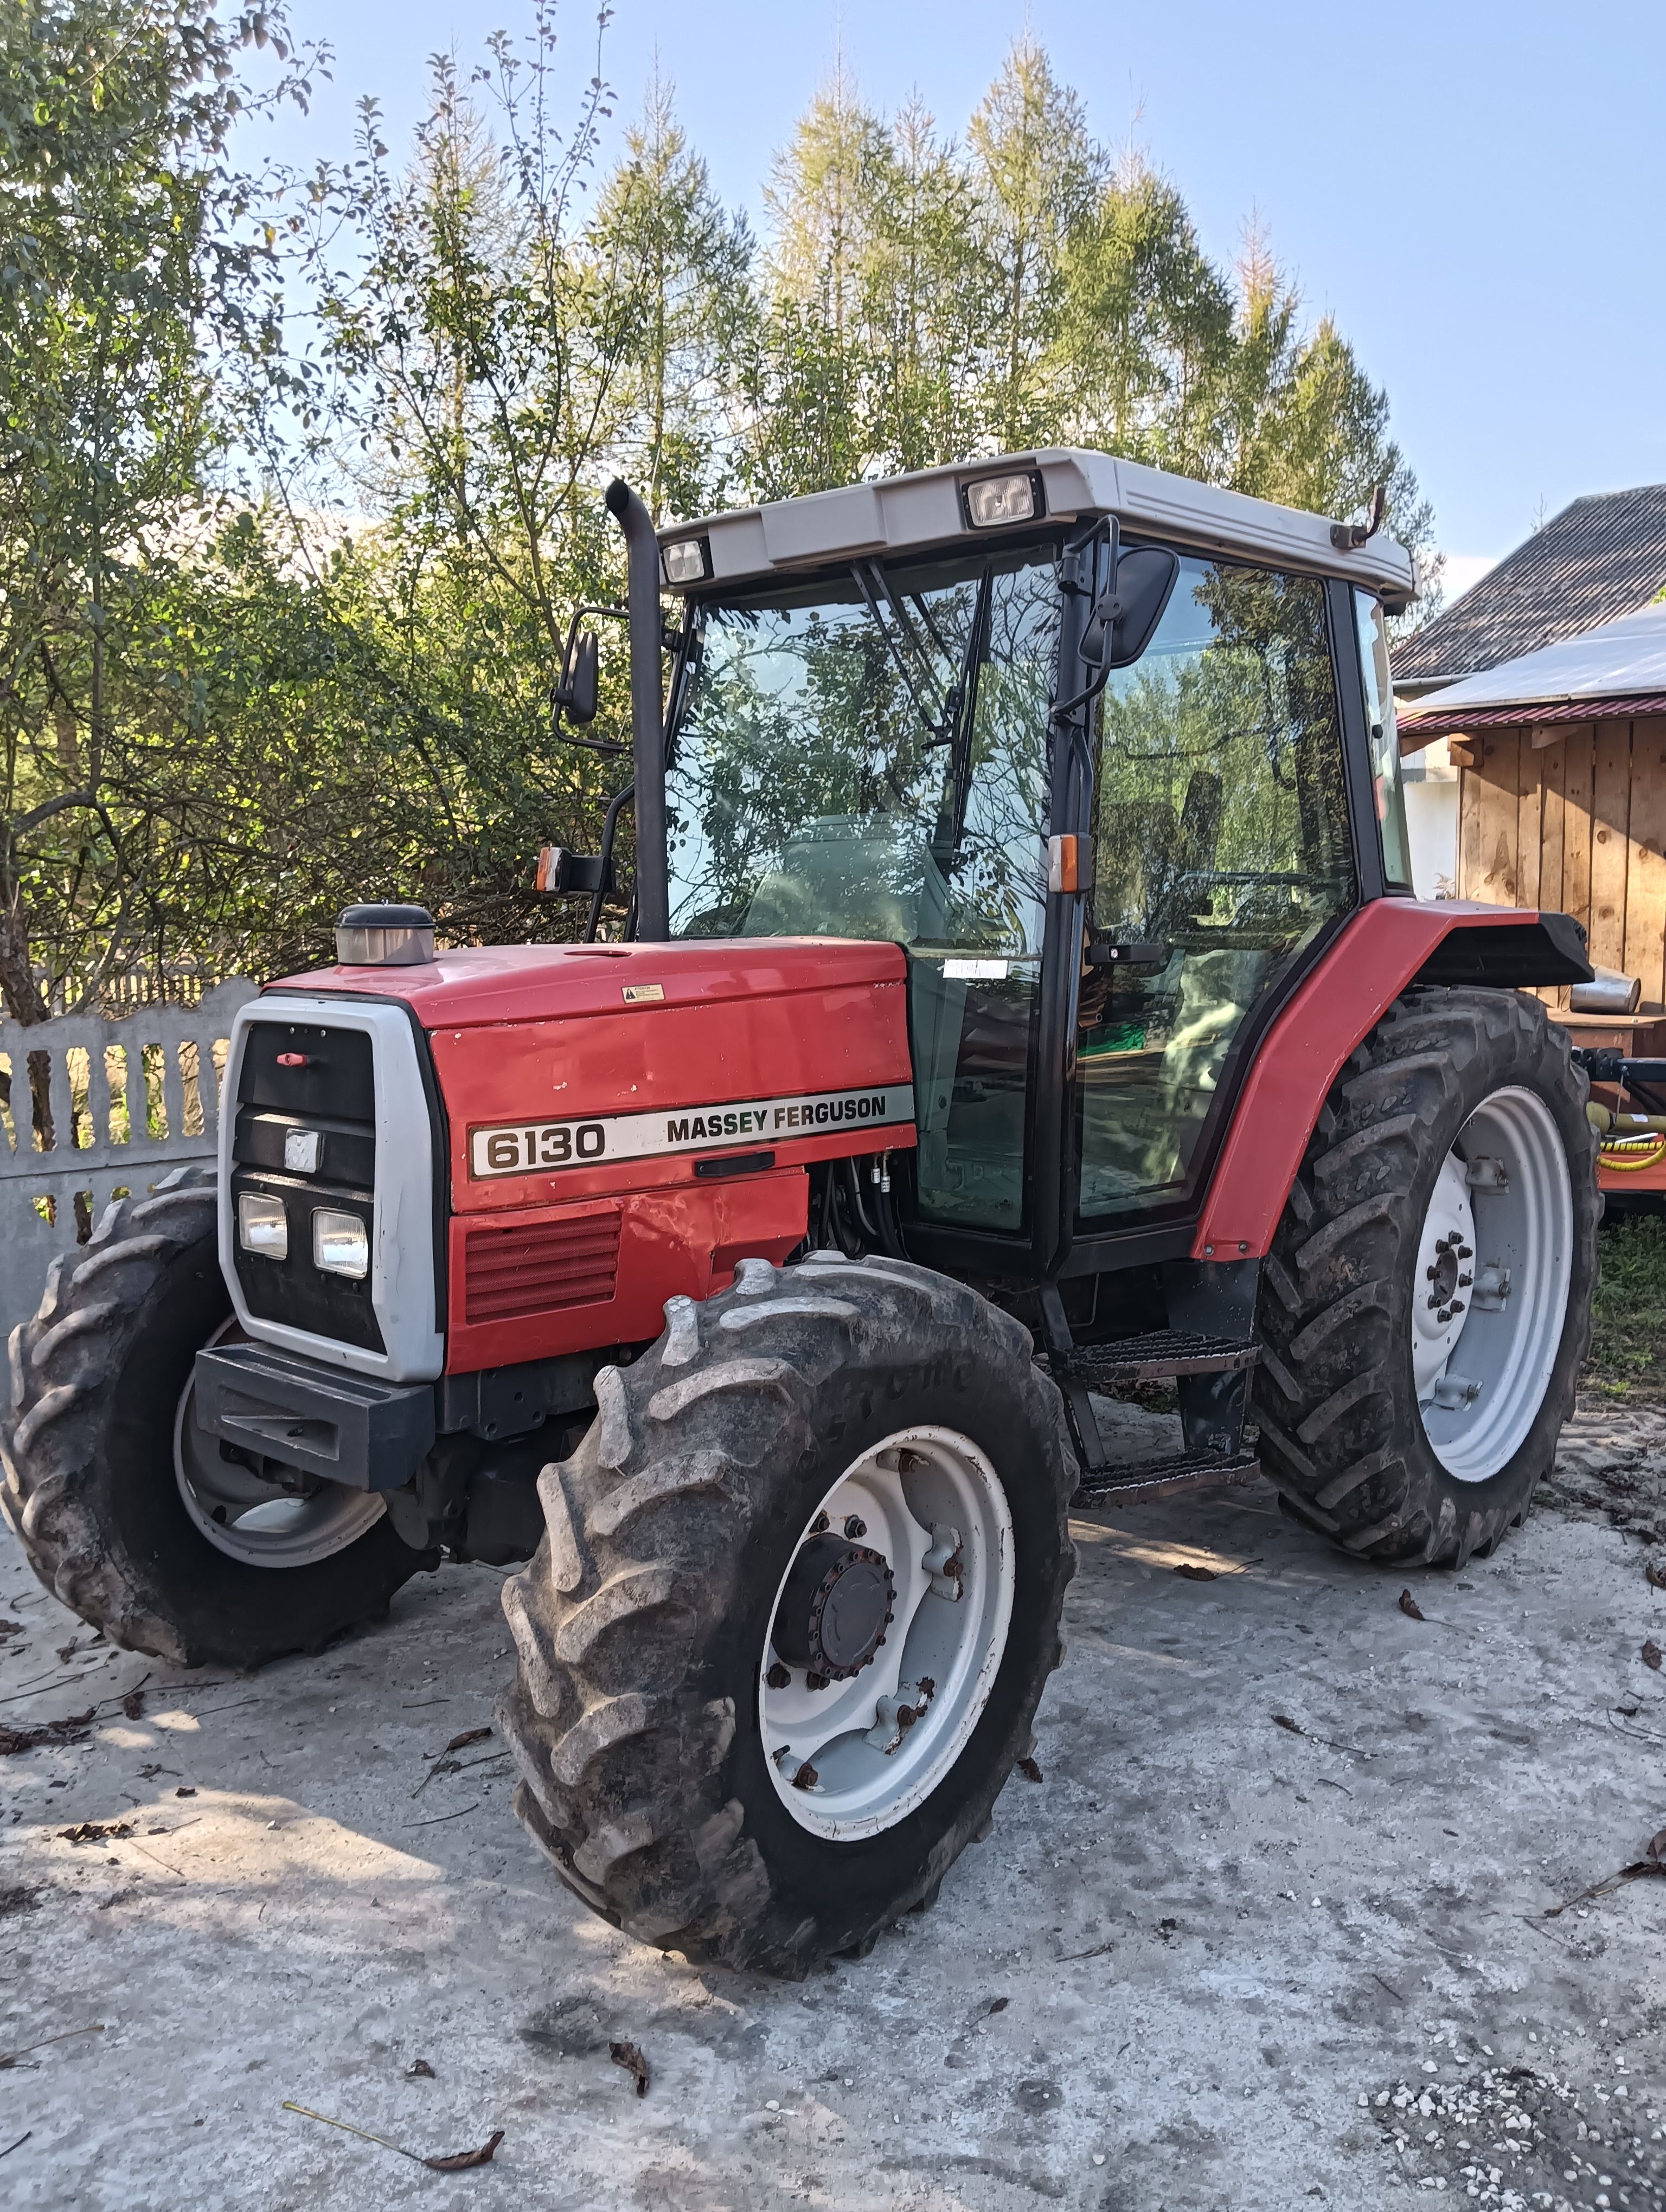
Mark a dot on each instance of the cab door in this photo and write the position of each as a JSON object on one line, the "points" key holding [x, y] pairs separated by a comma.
{"points": [[1222, 849]]}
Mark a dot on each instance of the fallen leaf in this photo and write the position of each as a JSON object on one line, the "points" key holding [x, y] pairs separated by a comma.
{"points": [[1656, 1575], [465, 2159], [1656, 1846], [1284, 1721], [1651, 1655], [1028, 1770], [1410, 1607], [1196, 1574], [133, 1705], [14, 1740], [419, 2070], [1000, 2004], [96, 1831], [628, 2055], [11, 1628], [20, 1897], [67, 1651], [468, 1737], [183, 1791]]}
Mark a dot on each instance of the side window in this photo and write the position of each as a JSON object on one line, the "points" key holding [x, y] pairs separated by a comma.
{"points": [[1222, 845], [1386, 786]]}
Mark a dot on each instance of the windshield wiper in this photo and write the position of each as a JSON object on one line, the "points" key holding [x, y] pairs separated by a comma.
{"points": [[962, 706], [937, 716]]}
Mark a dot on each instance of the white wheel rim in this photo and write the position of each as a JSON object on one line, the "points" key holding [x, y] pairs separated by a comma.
{"points": [[917, 1481], [252, 1520], [1483, 1353]]}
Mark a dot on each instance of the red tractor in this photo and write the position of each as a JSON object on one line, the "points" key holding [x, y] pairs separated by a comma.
{"points": [[1021, 994]]}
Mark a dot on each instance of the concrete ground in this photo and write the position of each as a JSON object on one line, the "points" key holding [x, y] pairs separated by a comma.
{"points": [[1270, 1931]]}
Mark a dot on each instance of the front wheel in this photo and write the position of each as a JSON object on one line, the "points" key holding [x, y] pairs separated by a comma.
{"points": [[796, 1607], [1426, 1308], [129, 1512]]}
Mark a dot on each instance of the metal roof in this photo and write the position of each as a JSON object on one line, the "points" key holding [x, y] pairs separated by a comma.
{"points": [[1574, 680], [1415, 734], [924, 508], [1603, 556]]}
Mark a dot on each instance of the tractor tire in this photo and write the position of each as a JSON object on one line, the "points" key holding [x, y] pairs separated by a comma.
{"points": [[1425, 1311], [101, 1397], [652, 1705]]}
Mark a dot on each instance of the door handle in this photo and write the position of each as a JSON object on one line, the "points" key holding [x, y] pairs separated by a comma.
{"points": [[1137, 955]]}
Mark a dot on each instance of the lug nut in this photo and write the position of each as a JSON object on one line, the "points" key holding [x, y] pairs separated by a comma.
{"points": [[1458, 1305], [1464, 1281], [814, 1681], [818, 1524], [780, 1677], [1429, 1274], [1446, 1314], [855, 1525], [1464, 1252]]}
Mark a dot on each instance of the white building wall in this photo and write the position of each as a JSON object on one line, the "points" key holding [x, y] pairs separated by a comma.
{"points": [[1431, 786]]}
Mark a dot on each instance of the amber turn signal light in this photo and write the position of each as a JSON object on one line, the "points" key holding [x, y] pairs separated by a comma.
{"points": [[1069, 864]]}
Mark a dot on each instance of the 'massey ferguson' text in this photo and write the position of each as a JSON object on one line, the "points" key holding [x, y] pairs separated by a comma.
{"points": [[527, 1148]]}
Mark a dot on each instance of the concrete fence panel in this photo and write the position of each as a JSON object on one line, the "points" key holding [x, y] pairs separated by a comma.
{"points": [[93, 1108]]}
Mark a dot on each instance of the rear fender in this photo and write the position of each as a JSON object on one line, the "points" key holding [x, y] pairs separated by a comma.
{"points": [[1387, 947]]}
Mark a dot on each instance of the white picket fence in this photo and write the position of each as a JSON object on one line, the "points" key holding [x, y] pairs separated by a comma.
{"points": [[129, 1101]]}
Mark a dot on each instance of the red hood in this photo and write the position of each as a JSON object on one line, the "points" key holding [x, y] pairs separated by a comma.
{"points": [[541, 983]]}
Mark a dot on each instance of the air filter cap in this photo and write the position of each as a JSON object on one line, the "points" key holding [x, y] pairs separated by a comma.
{"points": [[385, 937]]}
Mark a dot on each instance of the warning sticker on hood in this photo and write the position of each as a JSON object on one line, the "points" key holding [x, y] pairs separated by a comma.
{"points": [[528, 1147]]}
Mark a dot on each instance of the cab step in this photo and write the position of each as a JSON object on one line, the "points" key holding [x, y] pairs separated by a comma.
{"points": [[1132, 1485], [1164, 1352]]}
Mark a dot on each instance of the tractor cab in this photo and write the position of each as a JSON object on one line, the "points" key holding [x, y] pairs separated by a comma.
{"points": [[1111, 755]]}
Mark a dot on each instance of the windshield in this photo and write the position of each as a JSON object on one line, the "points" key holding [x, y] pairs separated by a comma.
{"points": [[868, 757]]}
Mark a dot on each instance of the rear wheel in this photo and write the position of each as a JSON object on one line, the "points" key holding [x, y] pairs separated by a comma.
{"points": [[1426, 1308], [796, 1604], [127, 1510]]}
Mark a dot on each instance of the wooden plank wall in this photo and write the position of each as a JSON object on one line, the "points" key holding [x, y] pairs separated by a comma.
{"points": [[1573, 816]]}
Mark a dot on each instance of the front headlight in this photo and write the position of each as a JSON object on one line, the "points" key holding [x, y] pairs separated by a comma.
{"points": [[341, 1244], [263, 1226]]}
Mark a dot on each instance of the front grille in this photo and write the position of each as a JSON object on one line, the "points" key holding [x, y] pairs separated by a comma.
{"points": [[520, 1269], [316, 1085]]}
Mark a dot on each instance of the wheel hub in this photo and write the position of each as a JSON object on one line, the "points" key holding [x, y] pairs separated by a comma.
{"points": [[1490, 1294], [262, 1511], [835, 1608], [881, 1653]]}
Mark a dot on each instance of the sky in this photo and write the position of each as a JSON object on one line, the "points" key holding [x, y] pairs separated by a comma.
{"points": [[1473, 190]]}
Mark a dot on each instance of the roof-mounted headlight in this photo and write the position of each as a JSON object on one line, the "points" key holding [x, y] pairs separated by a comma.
{"points": [[385, 937], [992, 501], [686, 561]]}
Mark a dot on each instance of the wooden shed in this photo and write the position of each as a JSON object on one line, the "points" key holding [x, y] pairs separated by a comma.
{"points": [[1562, 797]]}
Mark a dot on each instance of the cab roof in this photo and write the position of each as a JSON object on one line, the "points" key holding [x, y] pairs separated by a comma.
{"points": [[926, 509]]}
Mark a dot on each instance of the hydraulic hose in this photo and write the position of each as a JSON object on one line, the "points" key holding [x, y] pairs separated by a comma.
{"points": [[647, 709]]}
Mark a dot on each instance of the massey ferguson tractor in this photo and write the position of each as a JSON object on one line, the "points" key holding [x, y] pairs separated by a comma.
{"points": [[1020, 995]]}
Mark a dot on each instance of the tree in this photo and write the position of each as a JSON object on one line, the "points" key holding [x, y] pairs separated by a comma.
{"points": [[663, 239], [136, 316], [1146, 346], [1036, 175]]}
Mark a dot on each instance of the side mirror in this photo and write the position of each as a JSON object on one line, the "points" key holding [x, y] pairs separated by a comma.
{"points": [[575, 696], [1125, 620]]}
